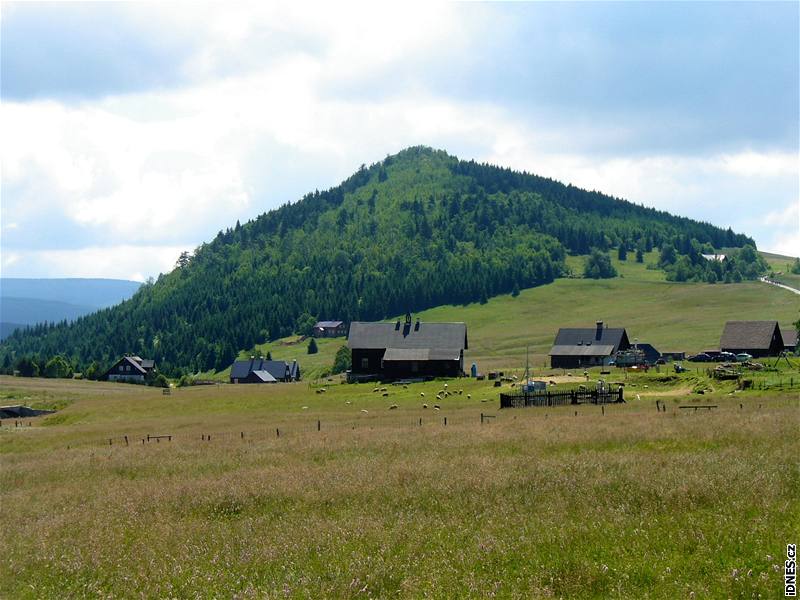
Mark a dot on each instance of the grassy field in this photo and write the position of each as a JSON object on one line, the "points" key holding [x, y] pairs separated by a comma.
{"points": [[782, 264], [625, 502], [672, 316]]}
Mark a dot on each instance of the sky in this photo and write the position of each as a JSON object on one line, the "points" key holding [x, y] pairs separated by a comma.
{"points": [[132, 132]]}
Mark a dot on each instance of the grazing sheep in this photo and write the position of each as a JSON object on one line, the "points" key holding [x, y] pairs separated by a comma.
{"points": [[425, 405], [445, 386], [422, 394], [383, 389], [469, 396], [484, 400], [438, 397], [385, 394], [364, 410], [347, 402], [393, 406], [376, 390], [436, 407], [318, 392], [552, 382], [305, 408], [460, 392], [405, 387]]}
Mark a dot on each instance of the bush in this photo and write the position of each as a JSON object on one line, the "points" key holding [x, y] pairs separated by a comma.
{"points": [[598, 266], [312, 346], [342, 362]]}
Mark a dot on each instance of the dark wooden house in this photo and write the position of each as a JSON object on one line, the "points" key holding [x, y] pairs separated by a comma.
{"points": [[407, 350], [757, 338], [131, 369], [329, 329], [259, 370], [576, 347]]}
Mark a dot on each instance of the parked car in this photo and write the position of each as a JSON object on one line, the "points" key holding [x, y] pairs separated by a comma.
{"points": [[727, 356], [702, 357], [744, 357]]}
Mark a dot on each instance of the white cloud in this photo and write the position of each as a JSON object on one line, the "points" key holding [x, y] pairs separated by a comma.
{"points": [[115, 262], [145, 173]]}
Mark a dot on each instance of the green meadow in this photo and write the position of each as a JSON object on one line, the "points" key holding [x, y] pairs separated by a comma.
{"points": [[290, 491], [321, 489]]}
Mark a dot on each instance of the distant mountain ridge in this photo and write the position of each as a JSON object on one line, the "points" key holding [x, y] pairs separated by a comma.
{"points": [[419, 229], [26, 302]]}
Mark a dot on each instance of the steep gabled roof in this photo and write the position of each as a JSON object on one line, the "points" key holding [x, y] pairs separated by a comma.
{"points": [[584, 350], [756, 335], [327, 324], [278, 369], [582, 336], [398, 335]]}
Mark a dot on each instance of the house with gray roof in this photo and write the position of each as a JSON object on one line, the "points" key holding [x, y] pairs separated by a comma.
{"points": [[576, 347], [404, 350], [757, 338], [260, 370], [329, 329]]}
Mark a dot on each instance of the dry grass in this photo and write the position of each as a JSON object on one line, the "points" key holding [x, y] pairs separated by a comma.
{"points": [[633, 503]]}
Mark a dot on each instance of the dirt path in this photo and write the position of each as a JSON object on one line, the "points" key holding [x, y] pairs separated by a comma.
{"points": [[780, 285]]}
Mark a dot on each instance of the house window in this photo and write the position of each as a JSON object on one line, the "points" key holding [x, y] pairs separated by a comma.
{"points": [[365, 363], [127, 367]]}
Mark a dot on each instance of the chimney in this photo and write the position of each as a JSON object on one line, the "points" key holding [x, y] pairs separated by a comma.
{"points": [[599, 331]]}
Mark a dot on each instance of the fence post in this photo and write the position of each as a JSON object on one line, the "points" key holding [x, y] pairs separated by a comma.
{"points": [[420, 421], [481, 418], [602, 409], [126, 440], [277, 432], [109, 441], [319, 425], [445, 421]]}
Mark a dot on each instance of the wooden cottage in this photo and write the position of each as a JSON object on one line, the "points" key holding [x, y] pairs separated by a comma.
{"points": [[757, 338], [259, 370], [576, 347], [132, 369], [329, 329], [407, 350]]}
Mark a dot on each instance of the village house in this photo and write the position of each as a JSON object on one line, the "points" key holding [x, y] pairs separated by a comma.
{"points": [[329, 329], [757, 338], [407, 350], [132, 369], [260, 370], [576, 347]]}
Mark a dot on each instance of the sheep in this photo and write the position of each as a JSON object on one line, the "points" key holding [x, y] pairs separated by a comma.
{"points": [[318, 392], [385, 394], [383, 389], [469, 396], [405, 387], [436, 407], [484, 400], [425, 405], [393, 406], [376, 390], [347, 402], [364, 410], [637, 397], [438, 397], [304, 408], [460, 392], [445, 386]]}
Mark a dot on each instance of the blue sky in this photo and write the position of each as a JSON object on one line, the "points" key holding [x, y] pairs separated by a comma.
{"points": [[134, 131]]}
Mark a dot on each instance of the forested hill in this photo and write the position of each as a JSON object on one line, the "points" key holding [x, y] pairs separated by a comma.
{"points": [[419, 229]]}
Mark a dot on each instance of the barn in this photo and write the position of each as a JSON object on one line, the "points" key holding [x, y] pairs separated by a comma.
{"points": [[259, 370], [576, 347], [757, 338], [407, 350]]}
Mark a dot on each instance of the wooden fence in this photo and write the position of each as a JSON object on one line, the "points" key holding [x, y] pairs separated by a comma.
{"points": [[608, 395]]}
